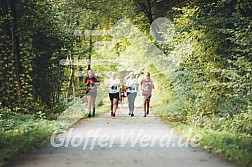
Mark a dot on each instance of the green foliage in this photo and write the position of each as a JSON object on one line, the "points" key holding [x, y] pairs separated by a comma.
{"points": [[235, 146], [215, 80], [211, 88], [21, 133], [40, 35]]}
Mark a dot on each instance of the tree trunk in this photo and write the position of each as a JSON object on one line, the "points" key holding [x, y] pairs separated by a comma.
{"points": [[147, 10], [90, 50], [16, 52], [71, 84], [5, 54]]}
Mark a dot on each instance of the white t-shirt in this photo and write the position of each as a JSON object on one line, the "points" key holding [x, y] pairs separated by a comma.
{"points": [[132, 84], [113, 83]]}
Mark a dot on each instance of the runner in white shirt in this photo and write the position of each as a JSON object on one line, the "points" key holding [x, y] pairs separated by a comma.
{"points": [[131, 85], [113, 84]]}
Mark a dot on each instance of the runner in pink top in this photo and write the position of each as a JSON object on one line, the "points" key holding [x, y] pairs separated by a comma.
{"points": [[147, 86]]}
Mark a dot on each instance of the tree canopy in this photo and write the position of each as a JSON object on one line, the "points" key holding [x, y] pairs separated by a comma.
{"points": [[209, 85]]}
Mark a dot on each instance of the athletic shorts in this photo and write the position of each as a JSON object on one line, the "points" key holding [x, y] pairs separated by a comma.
{"points": [[93, 94], [148, 96], [123, 94], [114, 96]]}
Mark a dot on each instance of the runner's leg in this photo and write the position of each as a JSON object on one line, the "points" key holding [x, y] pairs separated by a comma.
{"points": [[93, 105], [144, 105], [133, 101], [148, 105], [89, 100], [115, 102], [121, 99], [111, 104], [132, 104], [129, 102]]}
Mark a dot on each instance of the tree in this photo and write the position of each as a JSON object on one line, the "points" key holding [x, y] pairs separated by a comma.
{"points": [[10, 56]]}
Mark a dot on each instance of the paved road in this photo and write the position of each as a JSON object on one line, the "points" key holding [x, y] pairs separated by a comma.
{"points": [[122, 141]]}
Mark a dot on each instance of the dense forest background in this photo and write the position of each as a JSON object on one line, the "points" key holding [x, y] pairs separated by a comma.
{"points": [[211, 89]]}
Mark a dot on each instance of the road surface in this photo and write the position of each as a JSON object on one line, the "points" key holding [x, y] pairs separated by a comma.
{"points": [[122, 141]]}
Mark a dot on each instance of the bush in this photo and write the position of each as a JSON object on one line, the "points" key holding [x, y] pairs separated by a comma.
{"points": [[21, 133]]}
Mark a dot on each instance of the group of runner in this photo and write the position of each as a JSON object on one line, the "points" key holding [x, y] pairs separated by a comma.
{"points": [[118, 91]]}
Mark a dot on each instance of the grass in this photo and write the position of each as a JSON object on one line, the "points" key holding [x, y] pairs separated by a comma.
{"points": [[234, 146], [21, 133]]}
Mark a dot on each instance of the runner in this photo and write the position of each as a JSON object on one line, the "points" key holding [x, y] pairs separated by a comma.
{"points": [[113, 84], [123, 93], [131, 85], [147, 86], [125, 80], [91, 84]]}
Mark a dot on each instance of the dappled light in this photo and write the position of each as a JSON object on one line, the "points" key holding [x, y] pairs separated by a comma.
{"points": [[68, 68]]}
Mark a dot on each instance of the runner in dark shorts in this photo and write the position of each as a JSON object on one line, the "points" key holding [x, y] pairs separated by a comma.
{"points": [[123, 94], [113, 84]]}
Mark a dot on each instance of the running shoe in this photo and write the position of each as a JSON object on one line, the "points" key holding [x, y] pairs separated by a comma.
{"points": [[145, 114], [89, 114]]}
